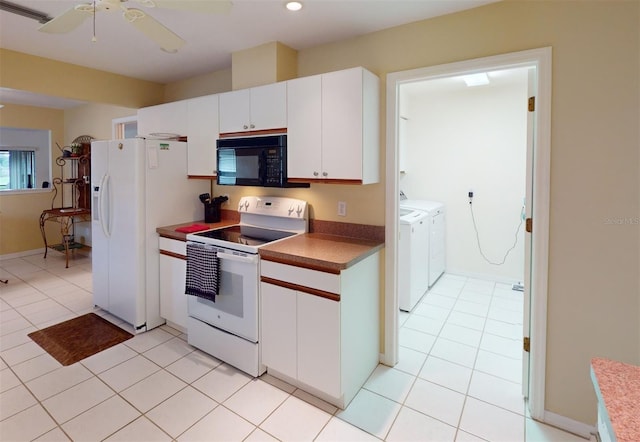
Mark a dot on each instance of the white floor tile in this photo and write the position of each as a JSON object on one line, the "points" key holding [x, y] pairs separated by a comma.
{"points": [[244, 402], [77, 399], [295, 420], [463, 436], [454, 352], [436, 401], [15, 400], [438, 300], [26, 425], [463, 335], [150, 391], [260, 436], [35, 367], [466, 320], [371, 413], [16, 338], [431, 311], [500, 366], [471, 308], [504, 315], [128, 373], [411, 425], [504, 329], [181, 411], [220, 383], [416, 340], [8, 380], [410, 361], [338, 429], [497, 391], [168, 352], [108, 358], [219, 425], [447, 374], [146, 341], [193, 366], [511, 348], [141, 429], [390, 383], [55, 435], [514, 304], [491, 423], [484, 287], [424, 324], [58, 380], [21, 353], [102, 420], [478, 298], [315, 401]]}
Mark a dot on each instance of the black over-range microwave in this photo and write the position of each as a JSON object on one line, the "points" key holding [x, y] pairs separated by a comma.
{"points": [[254, 161]]}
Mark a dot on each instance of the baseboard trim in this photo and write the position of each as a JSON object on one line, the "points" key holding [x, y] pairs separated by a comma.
{"points": [[497, 278], [572, 426], [21, 254]]}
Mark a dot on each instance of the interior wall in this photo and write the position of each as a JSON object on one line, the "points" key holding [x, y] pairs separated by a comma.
{"points": [[20, 212], [207, 84], [593, 289], [463, 138]]}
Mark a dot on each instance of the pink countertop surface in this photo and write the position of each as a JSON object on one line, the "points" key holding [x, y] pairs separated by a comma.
{"points": [[619, 388]]}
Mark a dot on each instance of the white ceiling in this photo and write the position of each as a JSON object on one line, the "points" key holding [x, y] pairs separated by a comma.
{"points": [[211, 38]]}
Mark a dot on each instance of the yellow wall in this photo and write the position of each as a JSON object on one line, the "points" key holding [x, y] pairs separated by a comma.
{"points": [[264, 64], [20, 213], [44, 76], [207, 84], [93, 119]]}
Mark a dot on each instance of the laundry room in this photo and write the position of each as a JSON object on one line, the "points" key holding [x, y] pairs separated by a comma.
{"points": [[465, 146]]}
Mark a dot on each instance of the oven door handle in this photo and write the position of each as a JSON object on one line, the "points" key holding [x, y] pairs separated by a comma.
{"points": [[252, 259]]}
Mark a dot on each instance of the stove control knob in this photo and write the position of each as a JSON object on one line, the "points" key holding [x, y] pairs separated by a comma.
{"points": [[299, 211], [290, 210]]}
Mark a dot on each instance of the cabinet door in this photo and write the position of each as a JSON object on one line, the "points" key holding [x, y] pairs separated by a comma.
{"points": [[278, 328], [304, 132], [319, 343], [173, 301], [163, 118], [269, 107], [342, 124], [235, 113], [202, 134]]}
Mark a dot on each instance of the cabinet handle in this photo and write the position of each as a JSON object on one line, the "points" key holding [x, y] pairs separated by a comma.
{"points": [[315, 173], [325, 174], [245, 127]]}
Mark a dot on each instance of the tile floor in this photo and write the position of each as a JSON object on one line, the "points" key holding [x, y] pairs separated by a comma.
{"points": [[458, 376]]}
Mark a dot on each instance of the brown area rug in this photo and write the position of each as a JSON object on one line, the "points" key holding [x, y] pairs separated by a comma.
{"points": [[79, 338]]}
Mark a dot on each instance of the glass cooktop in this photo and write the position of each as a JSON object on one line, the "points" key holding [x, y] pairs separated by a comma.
{"points": [[248, 235]]}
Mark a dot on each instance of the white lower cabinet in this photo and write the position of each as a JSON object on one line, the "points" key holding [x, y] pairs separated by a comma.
{"points": [[323, 341], [173, 270]]}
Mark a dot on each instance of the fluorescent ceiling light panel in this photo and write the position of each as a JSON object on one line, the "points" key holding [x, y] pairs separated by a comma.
{"points": [[478, 79]]}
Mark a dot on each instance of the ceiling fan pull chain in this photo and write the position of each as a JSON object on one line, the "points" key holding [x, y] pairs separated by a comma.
{"points": [[94, 39]]}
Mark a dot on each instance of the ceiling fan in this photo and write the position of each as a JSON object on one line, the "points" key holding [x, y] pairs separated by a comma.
{"points": [[156, 31]]}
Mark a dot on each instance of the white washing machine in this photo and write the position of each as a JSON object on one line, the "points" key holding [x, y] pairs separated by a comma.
{"points": [[413, 255], [436, 244]]}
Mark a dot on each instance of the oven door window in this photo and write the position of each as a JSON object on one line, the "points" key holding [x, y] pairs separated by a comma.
{"points": [[236, 307], [241, 166]]}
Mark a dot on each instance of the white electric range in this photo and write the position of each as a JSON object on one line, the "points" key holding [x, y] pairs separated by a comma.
{"points": [[229, 327]]}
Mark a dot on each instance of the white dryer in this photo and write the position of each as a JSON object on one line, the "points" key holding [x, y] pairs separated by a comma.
{"points": [[413, 256], [436, 260]]}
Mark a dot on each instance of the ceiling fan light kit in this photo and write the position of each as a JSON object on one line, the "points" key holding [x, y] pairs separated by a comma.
{"points": [[153, 29]]}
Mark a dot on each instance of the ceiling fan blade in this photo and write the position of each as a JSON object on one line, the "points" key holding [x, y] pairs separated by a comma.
{"points": [[65, 22], [156, 31], [203, 6]]}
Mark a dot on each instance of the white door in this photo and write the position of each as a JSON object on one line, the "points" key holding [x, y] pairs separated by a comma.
{"points": [[125, 184]]}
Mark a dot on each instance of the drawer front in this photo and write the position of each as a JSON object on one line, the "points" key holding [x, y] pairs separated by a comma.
{"points": [[173, 245], [314, 279]]}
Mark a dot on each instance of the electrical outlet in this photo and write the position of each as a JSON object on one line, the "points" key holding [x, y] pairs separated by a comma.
{"points": [[342, 208]]}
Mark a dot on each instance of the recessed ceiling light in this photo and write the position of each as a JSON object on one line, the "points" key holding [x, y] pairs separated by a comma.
{"points": [[479, 79], [293, 6]]}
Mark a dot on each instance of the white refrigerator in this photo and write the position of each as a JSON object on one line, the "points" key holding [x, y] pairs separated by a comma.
{"points": [[137, 186]]}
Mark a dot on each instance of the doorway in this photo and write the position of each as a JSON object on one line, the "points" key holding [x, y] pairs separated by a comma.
{"points": [[537, 204]]}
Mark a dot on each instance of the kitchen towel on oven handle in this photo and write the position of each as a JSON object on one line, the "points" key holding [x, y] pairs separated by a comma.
{"points": [[203, 266]]}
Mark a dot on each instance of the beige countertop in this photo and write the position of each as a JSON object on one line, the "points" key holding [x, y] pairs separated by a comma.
{"points": [[319, 251], [618, 385]]}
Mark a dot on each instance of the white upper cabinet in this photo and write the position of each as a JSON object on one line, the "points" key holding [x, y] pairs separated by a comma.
{"points": [[333, 130], [168, 118], [202, 133], [304, 133], [257, 108]]}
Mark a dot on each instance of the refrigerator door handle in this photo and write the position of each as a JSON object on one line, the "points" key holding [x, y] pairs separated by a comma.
{"points": [[104, 183]]}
